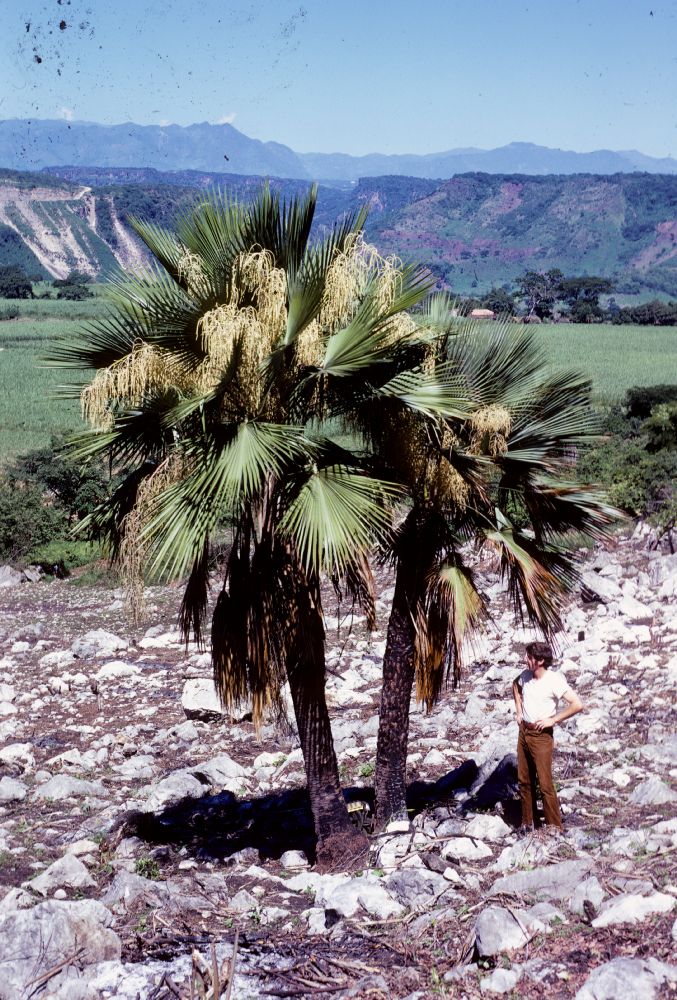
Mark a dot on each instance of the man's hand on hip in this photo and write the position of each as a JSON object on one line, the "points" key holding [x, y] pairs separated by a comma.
{"points": [[548, 723]]}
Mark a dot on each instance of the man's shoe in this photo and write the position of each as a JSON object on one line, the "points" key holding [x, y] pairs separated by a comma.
{"points": [[525, 830]]}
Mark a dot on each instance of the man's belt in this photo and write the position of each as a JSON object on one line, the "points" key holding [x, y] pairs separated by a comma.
{"points": [[531, 725]]}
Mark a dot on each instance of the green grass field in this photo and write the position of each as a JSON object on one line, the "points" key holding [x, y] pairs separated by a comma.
{"points": [[615, 358]]}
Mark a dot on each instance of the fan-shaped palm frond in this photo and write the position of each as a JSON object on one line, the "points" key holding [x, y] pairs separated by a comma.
{"points": [[333, 512]]}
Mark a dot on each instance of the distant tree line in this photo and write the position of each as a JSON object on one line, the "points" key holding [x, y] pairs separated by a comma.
{"points": [[551, 295], [16, 284]]}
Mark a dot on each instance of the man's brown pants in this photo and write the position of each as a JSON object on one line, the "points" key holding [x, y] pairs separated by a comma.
{"points": [[534, 760]]}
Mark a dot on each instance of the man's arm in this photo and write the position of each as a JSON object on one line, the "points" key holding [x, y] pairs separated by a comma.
{"points": [[574, 706], [517, 695]]}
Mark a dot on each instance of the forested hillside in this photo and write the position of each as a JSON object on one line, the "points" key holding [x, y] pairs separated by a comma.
{"points": [[475, 231]]}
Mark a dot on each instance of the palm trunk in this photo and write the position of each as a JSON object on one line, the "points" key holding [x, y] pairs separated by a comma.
{"points": [[339, 843], [415, 558], [390, 783]]}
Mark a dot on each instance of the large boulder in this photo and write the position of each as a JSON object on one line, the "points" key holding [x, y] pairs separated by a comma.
{"points": [[417, 888], [557, 881], [98, 643], [52, 933], [627, 979], [498, 929], [63, 786], [11, 790], [653, 792], [598, 589], [66, 873], [10, 577], [172, 789], [632, 908], [200, 700]]}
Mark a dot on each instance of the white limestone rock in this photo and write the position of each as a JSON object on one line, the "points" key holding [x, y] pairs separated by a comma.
{"points": [[117, 669], [294, 860], [500, 981], [498, 929], [68, 872], [589, 891], [18, 753], [652, 792], [200, 700], [173, 788], [466, 848], [12, 790], [98, 643], [488, 827], [627, 979], [63, 786], [360, 893], [50, 933], [631, 908]]}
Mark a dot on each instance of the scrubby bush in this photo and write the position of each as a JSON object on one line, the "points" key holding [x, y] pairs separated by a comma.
{"points": [[26, 521], [61, 556], [41, 495], [14, 284], [76, 488], [637, 461], [8, 311], [661, 428], [74, 287], [640, 400]]}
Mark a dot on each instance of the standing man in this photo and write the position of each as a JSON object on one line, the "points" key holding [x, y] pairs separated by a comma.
{"points": [[536, 692]]}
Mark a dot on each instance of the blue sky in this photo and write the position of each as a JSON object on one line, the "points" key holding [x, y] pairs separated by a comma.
{"points": [[355, 76]]}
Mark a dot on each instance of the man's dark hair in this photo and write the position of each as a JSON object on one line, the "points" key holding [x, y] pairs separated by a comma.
{"points": [[540, 651]]}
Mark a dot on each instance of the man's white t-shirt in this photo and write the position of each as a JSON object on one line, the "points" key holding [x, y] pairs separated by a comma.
{"points": [[540, 696]]}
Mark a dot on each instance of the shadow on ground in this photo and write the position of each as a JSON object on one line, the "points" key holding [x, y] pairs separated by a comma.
{"points": [[216, 827]]}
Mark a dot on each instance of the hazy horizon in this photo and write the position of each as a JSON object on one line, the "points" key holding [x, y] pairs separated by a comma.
{"points": [[356, 79]]}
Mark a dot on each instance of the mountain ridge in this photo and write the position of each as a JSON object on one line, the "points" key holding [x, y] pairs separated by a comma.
{"points": [[30, 144], [474, 230]]}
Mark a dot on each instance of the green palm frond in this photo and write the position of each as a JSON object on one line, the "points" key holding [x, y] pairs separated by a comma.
{"points": [[502, 364], [306, 281], [334, 512], [138, 435], [162, 243], [367, 339], [439, 313], [558, 508], [440, 393], [225, 474], [100, 345]]}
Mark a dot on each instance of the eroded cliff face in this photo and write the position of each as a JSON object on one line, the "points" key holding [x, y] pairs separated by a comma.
{"points": [[60, 227]]}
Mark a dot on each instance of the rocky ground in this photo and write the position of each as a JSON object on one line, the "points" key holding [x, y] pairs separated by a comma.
{"points": [[151, 848]]}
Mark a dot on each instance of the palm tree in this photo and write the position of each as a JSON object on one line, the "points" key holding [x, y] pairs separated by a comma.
{"points": [[499, 477], [219, 375]]}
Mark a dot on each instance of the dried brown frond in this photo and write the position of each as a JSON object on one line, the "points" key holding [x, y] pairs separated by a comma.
{"points": [[359, 585], [430, 653], [453, 609], [133, 550]]}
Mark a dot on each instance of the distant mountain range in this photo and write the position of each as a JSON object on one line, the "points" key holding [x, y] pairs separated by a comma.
{"points": [[474, 230], [37, 143]]}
